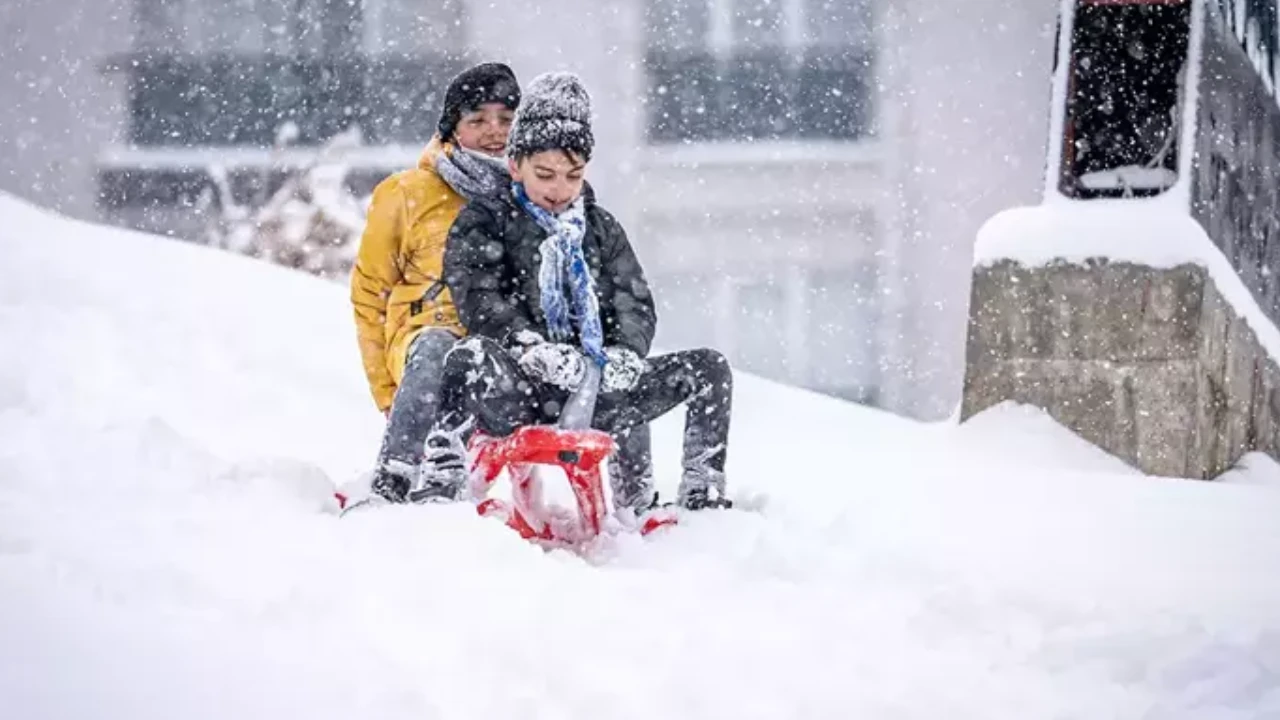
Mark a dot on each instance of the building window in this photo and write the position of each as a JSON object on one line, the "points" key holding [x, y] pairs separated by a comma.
{"points": [[413, 27], [729, 70], [314, 27], [760, 327], [842, 331], [811, 327], [1123, 120], [233, 72]]}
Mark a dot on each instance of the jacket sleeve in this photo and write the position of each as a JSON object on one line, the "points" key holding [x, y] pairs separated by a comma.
{"points": [[376, 271], [476, 271], [629, 316]]}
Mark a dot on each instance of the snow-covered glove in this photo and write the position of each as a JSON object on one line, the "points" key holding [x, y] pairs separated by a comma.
{"points": [[522, 340], [622, 371], [555, 364]]}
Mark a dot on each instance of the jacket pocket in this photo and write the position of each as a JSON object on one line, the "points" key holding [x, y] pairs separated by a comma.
{"points": [[422, 304], [429, 296]]}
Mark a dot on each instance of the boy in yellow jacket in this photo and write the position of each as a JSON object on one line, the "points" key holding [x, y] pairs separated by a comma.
{"points": [[405, 318]]}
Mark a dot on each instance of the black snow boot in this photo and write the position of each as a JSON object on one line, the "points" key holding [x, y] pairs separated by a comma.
{"points": [[700, 499], [443, 473], [391, 481], [695, 492]]}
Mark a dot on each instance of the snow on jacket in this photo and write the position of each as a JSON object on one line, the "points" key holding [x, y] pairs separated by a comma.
{"points": [[492, 262], [396, 285]]}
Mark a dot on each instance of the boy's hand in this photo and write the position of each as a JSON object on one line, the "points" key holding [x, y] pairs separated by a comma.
{"points": [[622, 371], [522, 340], [555, 364]]}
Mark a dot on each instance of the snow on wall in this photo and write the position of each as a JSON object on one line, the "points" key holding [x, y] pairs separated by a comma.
{"points": [[1058, 102], [1144, 233], [1157, 231]]}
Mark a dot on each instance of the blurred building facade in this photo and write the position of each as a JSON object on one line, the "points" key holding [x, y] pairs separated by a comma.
{"points": [[803, 179]]}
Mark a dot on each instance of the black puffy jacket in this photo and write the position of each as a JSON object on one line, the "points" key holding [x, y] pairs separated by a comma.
{"points": [[491, 265]]}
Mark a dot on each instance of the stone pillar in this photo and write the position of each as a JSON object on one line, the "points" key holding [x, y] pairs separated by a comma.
{"points": [[1152, 365], [1144, 316]]}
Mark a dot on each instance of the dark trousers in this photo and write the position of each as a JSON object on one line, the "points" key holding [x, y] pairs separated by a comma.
{"points": [[483, 380]]}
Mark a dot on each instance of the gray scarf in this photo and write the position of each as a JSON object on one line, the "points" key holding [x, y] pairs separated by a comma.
{"points": [[473, 174]]}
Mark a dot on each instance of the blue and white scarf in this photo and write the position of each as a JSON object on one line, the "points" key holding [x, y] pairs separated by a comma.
{"points": [[564, 266]]}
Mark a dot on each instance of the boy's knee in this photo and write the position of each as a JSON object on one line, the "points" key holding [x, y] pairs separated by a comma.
{"points": [[713, 364], [433, 342], [470, 352], [429, 350]]}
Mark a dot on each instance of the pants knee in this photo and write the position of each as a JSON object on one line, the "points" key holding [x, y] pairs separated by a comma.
{"points": [[429, 350], [470, 352], [713, 365]]}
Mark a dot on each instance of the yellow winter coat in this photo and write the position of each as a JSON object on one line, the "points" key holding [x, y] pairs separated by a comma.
{"points": [[396, 285]]}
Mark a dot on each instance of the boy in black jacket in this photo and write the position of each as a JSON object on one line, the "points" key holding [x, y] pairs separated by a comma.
{"points": [[545, 282]]}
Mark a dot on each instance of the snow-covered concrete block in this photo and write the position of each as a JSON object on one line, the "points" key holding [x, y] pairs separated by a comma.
{"points": [[1152, 364]]}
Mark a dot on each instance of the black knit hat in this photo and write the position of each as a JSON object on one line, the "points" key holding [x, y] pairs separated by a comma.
{"points": [[555, 115], [484, 83]]}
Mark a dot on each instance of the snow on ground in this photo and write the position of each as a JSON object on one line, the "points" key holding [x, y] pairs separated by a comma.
{"points": [[171, 418], [1255, 468]]}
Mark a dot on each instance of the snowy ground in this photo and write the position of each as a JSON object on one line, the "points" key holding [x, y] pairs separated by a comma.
{"points": [[170, 417]]}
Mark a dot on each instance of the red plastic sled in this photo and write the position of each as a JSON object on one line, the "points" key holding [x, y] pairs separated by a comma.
{"points": [[580, 453]]}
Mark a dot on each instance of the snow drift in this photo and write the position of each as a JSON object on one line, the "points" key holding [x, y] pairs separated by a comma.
{"points": [[171, 418]]}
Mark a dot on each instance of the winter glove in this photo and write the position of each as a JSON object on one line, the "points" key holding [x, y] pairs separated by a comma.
{"points": [[555, 364], [522, 340], [622, 371]]}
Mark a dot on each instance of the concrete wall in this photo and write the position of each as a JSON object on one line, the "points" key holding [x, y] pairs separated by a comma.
{"points": [[1149, 364], [967, 98], [1153, 364], [58, 106], [721, 234], [1236, 171]]}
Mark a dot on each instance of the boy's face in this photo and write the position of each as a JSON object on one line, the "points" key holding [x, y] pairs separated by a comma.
{"points": [[485, 130], [552, 178]]}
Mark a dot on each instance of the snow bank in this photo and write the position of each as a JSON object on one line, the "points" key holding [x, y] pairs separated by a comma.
{"points": [[170, 418], [1151, 233], [1019, 435], [1254, 468]]}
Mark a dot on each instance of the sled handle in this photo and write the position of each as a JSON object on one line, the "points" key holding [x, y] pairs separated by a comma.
{"points": [[580, 408]]}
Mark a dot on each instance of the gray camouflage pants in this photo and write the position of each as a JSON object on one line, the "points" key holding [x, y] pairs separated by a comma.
{"points": [[417, 400]]}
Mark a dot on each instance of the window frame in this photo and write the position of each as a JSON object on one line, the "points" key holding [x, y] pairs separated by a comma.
{"points": [[180, 86]]}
